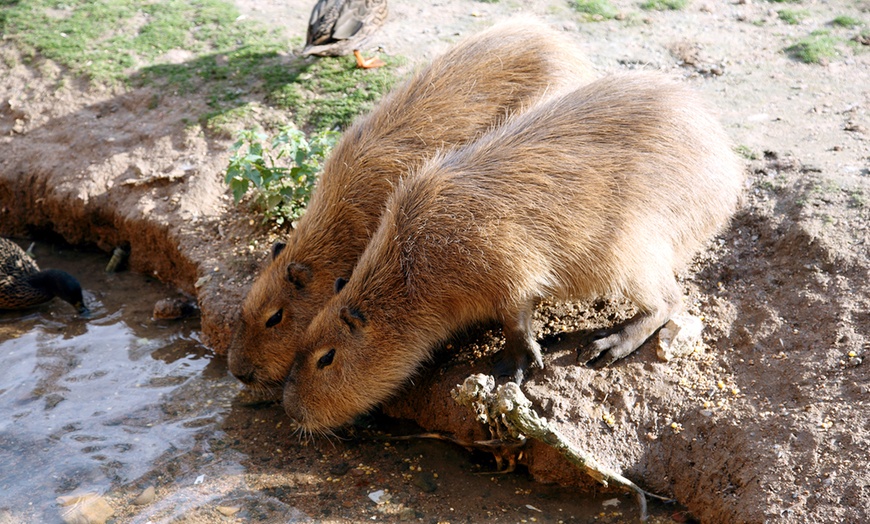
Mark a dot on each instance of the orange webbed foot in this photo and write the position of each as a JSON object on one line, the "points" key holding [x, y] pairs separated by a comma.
{"points": [[367, 63]]}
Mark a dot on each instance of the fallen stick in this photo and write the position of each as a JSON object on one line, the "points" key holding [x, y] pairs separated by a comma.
{"points": [[510, 415]]}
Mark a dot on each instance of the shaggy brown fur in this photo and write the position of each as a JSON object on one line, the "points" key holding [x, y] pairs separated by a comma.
{"points": [[607, 189], [472, 87]]}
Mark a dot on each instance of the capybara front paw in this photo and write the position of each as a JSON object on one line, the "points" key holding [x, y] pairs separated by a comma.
{"points": [[510, 365]]}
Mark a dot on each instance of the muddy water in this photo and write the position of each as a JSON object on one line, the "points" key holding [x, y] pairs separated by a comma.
{"points": [[117, 402]]}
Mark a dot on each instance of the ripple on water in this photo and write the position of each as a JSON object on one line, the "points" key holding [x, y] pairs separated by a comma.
{"points": [[88, 404]]}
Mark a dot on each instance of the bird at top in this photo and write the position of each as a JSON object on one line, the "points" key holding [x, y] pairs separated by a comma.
{"points": [[23, 285], [339, 27]]}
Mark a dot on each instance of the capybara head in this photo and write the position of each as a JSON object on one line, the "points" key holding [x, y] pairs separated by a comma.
{"points": [[269, 316], [325, 388]]}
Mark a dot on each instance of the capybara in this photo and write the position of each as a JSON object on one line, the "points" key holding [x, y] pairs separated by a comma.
{"points": [[456, 98], [603, 190]]}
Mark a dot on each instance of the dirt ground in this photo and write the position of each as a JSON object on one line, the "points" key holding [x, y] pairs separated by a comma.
{"points": [[767, 423]]}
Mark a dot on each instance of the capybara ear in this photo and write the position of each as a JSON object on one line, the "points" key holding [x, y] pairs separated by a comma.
{"points": [[339, 284], [352, 317], [277, 247], [298, 274]]}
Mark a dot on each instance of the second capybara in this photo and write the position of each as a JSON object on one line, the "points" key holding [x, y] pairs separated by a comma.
{"points": [[604, 190], [456, 98]]}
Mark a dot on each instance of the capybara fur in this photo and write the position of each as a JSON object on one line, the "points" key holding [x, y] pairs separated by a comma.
{"points": [[455, 99], [604, 190]]}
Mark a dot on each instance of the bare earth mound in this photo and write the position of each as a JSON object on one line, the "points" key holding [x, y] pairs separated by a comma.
{"points": [[768, 423]]}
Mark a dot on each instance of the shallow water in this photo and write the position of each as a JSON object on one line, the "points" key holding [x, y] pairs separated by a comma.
{"points": [[84, 402]]}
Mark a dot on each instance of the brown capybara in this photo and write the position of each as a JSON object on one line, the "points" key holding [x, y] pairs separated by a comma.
{"points": [[606, 189], [456, 98]]}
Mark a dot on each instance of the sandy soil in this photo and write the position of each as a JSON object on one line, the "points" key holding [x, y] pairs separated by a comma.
{"points": [[768, 423]]}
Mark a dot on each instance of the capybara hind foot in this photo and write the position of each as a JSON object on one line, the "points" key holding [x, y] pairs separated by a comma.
{"points": [[610, 345], [606, 350], [658, 297]]}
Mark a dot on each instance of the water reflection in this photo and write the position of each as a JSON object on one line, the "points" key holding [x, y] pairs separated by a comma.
{"points": [[88, 403]]}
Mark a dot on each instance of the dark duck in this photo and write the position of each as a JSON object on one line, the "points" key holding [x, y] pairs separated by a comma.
{"points": [[339, 27], [23, 285]]}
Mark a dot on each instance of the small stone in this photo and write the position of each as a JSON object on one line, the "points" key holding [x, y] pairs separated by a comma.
{"points": [[173, 309], [52, 400], [680, 337], [228, 511], [146, 497], [425, 481], [855, 127], [376, 496], [340, 469], [89, 508]]}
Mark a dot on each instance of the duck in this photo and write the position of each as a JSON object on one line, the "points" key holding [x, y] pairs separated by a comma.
{"points": [[23, 285], [339, 27]]}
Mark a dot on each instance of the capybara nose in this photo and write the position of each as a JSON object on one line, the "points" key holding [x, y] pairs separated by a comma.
{"points": [[245, 378]]}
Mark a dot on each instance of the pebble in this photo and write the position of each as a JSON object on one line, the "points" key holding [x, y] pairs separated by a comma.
{"points": [[340, 469], [228, 511], [679, 337], [425, 481], [52, 400], [173, 309], [376, 496], [88, 508], [146, 497]]}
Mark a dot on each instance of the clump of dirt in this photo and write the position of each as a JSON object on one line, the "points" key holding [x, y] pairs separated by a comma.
{"points": [[767, 423]]}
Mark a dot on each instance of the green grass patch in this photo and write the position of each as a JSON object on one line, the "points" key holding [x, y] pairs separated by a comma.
{"points": [[815, 48], [341, 90], [664, 5], [595, 9], [107, 39], [746, 152], [793, 16], [201, 46], [847, 22]]}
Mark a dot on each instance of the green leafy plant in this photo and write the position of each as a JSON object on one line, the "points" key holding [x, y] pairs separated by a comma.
{"points": [[282, 172]]}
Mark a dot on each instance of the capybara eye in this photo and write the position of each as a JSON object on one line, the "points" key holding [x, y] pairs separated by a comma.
{"points": [[275, 319], [326, 359]]}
